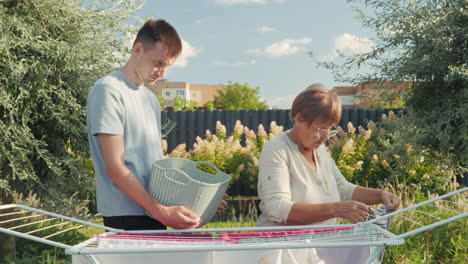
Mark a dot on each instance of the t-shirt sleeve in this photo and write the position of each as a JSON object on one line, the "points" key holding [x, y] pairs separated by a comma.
{"points": [[274, 184], [106, 111]]}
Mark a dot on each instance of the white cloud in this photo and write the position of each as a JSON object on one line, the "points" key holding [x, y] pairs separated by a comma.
{"points": [[198, 22], [349, 44], [284, 47], [187, 52], [282, 102], [237, 2], [234, 64], [265, 29]]}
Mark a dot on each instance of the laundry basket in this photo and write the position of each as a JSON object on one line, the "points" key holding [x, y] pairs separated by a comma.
{"points": [[176, 181]]}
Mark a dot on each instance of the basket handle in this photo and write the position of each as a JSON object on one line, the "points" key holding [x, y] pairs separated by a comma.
{"points": [[207, 164], [174, 180]]}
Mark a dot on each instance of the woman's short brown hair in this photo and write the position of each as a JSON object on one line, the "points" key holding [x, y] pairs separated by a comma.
{"points": [[317, 103], [154, 31]]}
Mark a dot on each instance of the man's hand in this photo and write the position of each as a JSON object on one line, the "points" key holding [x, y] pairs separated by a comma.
{"points": [[222, 205], [390, 200], [177, 217]]}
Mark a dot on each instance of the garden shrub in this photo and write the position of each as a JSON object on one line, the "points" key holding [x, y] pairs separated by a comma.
{"points": [[384, 154], [387, 154], [236, 154]]}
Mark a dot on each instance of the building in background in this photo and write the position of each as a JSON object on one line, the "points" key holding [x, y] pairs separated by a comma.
{"points": [[367, 95], [200, 94]]}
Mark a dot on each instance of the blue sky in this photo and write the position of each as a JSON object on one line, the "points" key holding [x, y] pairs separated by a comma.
{"points": [[263, 43]]}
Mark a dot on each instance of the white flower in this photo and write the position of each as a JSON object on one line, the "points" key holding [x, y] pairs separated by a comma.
{"points": [[238, 128], [220, 129], [351, 128], [275, 130], [372, 126], [359, 165], [261, 131], [348, 146]]}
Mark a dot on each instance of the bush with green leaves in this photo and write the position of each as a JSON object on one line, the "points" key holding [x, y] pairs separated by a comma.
{"points": [[51, 53], [236, 154], [423, 43], [383, 155], [386, 154]]}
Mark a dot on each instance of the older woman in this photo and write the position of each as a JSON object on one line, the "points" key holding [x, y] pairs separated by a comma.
{"points": [[300, 184]]}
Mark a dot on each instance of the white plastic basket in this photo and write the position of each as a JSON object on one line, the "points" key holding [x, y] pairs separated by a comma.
{"points": [[176, 181]]}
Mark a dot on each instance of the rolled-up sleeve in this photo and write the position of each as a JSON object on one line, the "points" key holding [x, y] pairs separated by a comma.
{"points": [[274, 184]]}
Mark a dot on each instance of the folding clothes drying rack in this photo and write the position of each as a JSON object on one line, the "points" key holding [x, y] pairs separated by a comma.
{"points": [[226, 245]]}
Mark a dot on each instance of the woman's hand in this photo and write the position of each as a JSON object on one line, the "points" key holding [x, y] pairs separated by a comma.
{"points": [[353, 211], [390, 200]]}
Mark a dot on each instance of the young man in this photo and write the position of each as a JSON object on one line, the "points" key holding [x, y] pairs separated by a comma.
{"points": [[124, 132]]}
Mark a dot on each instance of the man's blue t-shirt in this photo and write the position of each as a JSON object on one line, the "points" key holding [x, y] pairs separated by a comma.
{"points": [[116, 106]]}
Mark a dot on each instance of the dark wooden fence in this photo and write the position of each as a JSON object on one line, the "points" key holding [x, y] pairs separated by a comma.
{"points": [[190, 124]]}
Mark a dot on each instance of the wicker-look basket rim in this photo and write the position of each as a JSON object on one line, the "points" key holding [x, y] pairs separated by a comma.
{"points": [[218, 173]]}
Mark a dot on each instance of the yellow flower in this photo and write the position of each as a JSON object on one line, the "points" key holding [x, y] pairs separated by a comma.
{"points": [[164, 145], [375, 159], [391, 115], [409, 148], [385, 165]]}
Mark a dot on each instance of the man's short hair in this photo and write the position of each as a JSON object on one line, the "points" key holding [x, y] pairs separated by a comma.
{"points": [[154, 31]]}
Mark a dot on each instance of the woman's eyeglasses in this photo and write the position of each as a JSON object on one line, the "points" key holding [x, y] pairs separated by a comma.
{"points": [[329, 132]]}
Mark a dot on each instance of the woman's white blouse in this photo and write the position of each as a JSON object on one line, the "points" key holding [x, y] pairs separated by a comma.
{"points": [[286, 177]]}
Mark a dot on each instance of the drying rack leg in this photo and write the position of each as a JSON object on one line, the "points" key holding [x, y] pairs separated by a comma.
{"points": [[375, 254]]}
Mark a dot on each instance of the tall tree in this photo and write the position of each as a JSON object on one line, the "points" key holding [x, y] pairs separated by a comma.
{"points": [[236, 96], [424, 43], [51, 53]]}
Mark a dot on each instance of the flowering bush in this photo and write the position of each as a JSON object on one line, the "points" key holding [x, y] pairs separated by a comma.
{"points": [[236, 154], [387, 154], [380, 156]]}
